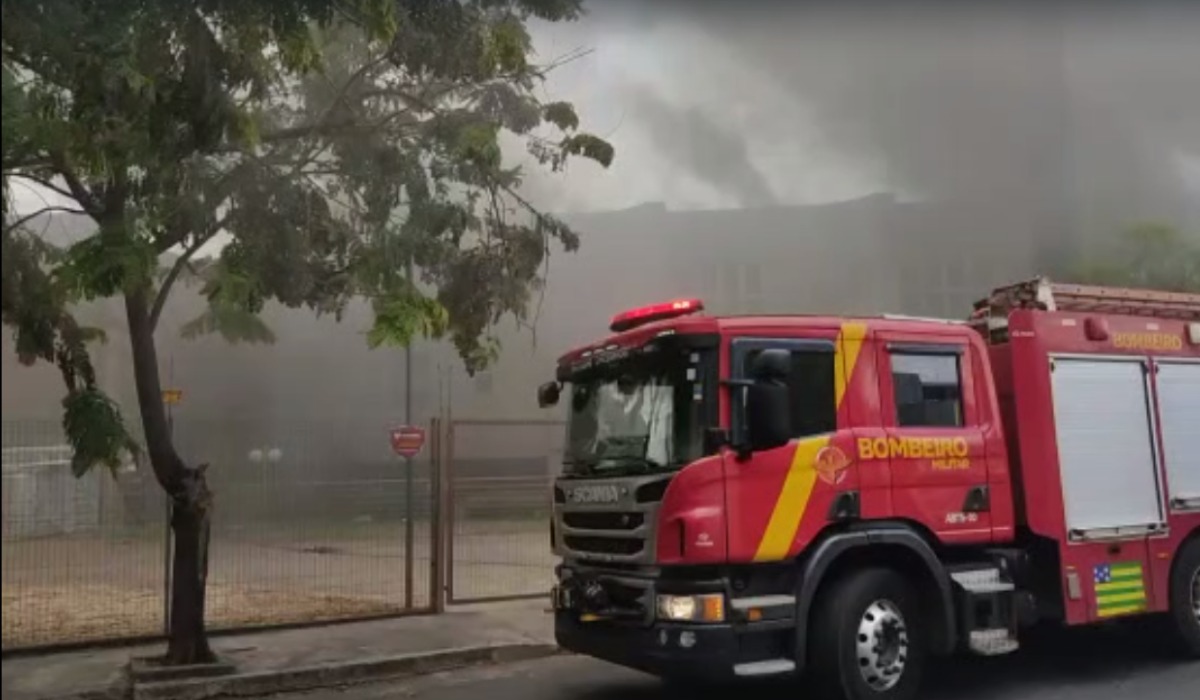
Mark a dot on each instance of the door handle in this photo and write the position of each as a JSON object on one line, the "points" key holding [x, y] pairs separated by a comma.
{"points": [[978, 500]]}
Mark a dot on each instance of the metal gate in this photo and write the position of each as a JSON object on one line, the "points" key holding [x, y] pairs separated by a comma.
{"points": [[498, 477]]}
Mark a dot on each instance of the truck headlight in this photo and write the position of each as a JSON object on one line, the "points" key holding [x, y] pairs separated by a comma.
{"points": [[692, 608]]}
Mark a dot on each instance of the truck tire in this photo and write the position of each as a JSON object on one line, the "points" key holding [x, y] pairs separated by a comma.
{"points": [[1185, 598], [867, 642]]}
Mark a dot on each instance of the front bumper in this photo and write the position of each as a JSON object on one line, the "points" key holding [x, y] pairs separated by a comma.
{"points": [[656, 649], [627, 633]]}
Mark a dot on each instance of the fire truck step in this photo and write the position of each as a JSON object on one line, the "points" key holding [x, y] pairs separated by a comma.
{"points": [[993, 642], [763, 601], [770, 667], [982, 581]]}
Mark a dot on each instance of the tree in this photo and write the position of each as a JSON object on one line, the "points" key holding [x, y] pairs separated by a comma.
{"points": [[1149, 255], [335, 144]]}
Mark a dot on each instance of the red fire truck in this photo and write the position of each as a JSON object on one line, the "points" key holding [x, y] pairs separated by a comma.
{"points": [[755, 496]]}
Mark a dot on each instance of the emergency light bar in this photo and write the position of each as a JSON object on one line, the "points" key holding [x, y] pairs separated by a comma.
{"points": [[656, 312]]}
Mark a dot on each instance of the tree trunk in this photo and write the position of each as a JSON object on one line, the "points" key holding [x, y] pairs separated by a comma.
{"points": [[188, 643], [191, 500]]}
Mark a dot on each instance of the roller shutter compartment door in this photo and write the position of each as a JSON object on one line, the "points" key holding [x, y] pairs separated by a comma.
{"points": [[1107, 457], [1179, 410]]}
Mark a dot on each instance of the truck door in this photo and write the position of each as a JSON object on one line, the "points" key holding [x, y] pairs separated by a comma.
{"points": [[934, 441], [774, 499]]}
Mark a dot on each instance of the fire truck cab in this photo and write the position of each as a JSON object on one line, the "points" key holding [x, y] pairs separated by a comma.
{"points": [[844, 497]]}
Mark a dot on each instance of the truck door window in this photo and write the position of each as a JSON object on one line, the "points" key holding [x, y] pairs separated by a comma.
{"points": [[811, 387], [928, 389]]}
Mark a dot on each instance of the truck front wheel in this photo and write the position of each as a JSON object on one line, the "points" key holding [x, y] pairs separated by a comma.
{"points": [[1185, 598], [867, 640]]}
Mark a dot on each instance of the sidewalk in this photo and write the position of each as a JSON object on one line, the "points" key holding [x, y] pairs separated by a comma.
{"points": [[315, 656]]}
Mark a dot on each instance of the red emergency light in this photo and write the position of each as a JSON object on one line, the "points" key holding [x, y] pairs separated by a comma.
{"points": [[655, 312]]}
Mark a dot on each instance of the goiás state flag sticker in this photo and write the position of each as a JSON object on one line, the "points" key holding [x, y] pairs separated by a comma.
{"points": [[1120, 589]]}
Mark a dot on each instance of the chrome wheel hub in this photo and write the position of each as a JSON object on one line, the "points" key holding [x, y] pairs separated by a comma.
{"points": [[1196, 594], [882, 645]]}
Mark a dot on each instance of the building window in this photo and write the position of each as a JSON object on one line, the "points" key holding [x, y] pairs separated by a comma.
{"points": [[811, 388], [928, 389]]}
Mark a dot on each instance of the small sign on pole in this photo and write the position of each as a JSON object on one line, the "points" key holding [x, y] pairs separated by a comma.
{"points": [[172, 397], [407, 440]]}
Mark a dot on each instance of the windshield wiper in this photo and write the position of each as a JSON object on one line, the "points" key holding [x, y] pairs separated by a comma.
{"points": [[581, 466], [605, 465]]}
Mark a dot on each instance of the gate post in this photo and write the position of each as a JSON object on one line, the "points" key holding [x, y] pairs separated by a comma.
{"points": [[448, 508], [437, 529]]}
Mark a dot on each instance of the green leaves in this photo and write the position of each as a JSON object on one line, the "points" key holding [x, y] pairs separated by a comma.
{"points": [[1149, 254], [95, 430], [562, 115], [402, 317], [106, 265], [506, 46], [325, 145], [234, 324], [34, 305], [478, 144], [590, 147]]}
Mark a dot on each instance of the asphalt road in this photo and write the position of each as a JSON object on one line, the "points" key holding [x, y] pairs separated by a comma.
{"points": [[1110, 664]]}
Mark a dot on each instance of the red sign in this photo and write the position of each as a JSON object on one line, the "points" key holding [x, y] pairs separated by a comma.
{"points": [[407, 440]]}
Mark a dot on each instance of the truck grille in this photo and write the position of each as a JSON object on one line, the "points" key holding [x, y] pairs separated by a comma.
{"points": [[604, 521], [618, 532], [623, 546]]}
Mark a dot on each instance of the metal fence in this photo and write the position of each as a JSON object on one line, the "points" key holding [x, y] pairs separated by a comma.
{"points": [[310, 525], [78, 564], [305, 529], [499, 476]]}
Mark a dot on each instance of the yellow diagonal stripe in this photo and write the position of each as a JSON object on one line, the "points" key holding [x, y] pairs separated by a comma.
{"points": [[792, 502], [849, 344], [801, 478]]}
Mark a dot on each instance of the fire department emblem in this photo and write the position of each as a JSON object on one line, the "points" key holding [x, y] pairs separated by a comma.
{"points": [[830, 465]]}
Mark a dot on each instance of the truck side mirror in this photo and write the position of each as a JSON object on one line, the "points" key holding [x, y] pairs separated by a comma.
{"points": [[768, 404], [768, 419], [548, 393], [773, 364]]}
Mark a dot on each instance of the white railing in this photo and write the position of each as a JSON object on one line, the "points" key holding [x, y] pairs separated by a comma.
{"points": [[43, 497], [23, 459]]}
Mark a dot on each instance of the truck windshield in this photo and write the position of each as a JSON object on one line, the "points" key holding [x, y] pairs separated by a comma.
{"points": [[638, 414]]}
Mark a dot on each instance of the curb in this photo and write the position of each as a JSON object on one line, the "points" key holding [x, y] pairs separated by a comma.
{"points": [[338, 674], [113, 693]]}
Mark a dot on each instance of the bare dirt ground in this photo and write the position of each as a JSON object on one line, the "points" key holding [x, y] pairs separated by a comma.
{"points": [[88, 588]]}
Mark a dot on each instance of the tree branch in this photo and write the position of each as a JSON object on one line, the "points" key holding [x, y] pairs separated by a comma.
{"points": [[324, 125], [164, 290], [78, 191], [169, 468], [44, 210]]}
